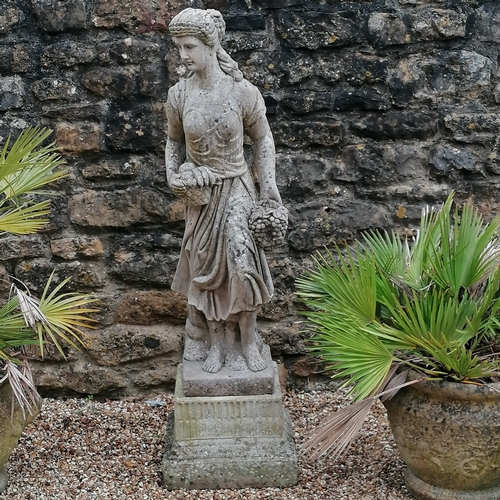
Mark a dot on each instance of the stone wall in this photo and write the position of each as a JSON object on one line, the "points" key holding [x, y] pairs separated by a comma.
{"points": [[377, 107]]}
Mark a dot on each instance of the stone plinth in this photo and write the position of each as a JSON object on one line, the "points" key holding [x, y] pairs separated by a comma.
{"points": [[229, 441], [227, 382]]}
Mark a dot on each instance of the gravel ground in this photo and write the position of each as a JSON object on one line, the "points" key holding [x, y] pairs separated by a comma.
{"points": [[83, 449]]}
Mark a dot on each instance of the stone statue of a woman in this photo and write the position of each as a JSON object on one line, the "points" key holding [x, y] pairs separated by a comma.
{"points": [[222, 268]]}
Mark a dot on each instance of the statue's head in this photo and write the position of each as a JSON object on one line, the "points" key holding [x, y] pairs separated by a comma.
{"points": [[209, 27], [206, 25]]}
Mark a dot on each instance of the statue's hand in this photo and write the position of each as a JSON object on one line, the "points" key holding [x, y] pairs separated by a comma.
{"points": [[205, 177], [177, 185], [191, 176], [271, 193]]}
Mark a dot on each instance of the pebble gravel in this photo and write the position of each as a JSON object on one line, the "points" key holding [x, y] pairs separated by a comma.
{"points": [[79, 449]]}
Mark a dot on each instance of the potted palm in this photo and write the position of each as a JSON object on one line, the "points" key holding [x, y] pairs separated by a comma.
{"points": [[55, 318], [416, 324]]}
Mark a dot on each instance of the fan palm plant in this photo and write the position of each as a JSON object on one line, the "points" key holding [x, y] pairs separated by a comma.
{"points": [[430, 304], [56, 317]]}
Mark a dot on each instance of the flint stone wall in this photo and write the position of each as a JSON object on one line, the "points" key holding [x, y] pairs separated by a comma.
{"points": [[377, 107]]}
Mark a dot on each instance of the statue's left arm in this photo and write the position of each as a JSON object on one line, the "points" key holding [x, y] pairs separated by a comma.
{"points": [[257, 128], [264, 159]]}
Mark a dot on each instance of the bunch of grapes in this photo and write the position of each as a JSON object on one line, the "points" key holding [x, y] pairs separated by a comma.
{"points": [[268, 223]]}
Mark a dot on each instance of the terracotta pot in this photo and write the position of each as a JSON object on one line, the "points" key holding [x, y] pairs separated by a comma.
{"points": [[10, 428], [449, 437]]}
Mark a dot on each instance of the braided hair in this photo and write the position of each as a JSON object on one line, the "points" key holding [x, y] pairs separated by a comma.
{"points": [[209, 27]]}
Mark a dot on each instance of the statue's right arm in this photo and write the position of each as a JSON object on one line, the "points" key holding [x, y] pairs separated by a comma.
{"points": [[175, 149], [175, 155]]}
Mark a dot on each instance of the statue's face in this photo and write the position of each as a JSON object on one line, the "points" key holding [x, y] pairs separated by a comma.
{"points": [[195, 55]]}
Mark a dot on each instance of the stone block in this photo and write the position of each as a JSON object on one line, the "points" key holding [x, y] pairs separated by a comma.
{"points": [[12, 93], [229, 442], [89, 247], [303, 102], [328, 220], [448, 73], [472, 127], [148, 307], [424, 24], [129, 50], [445, 159], [236, 41], [144, 267], [84, 275], [111, 81], [381, 164], [58, 16], [366, 68], [145, 258], [488, 22], [53, 88], [67, 53], [71, 248], [307, 133], [112, 169], [15, 58], [120, 208], [133, 16], [406, 80], [135, 126], [9, 16], [21, 247], [226, 382], [470, 69], [397, 125], [279, 4], [81, 376], [386, 29], [362, 99], [262, 70], [119, 344], [76, 112], [78, 137], [327, 66], [300, 178], [151, 80], [449, 23], [313, 30], [246, 22], [150, 373]]}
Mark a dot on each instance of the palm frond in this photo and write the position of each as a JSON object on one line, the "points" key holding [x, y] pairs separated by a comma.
{"points": [[24, 154], [24, 219], [22, 385], [64, 316], [335, 433]]}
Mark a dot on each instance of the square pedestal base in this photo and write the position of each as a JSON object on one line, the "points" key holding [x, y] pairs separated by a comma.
{"points": [[229, 442]]}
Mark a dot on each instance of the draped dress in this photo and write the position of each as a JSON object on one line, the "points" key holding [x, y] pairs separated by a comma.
{"points": [[221, 270]]}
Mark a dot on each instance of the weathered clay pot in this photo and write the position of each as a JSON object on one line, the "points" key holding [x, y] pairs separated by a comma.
{"points": [[449, 437], [10, 428]]}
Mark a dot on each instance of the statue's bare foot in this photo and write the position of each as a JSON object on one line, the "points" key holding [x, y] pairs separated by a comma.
{"points": [[253, 357], [215, 359]]}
